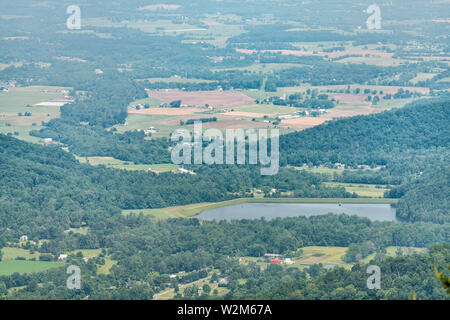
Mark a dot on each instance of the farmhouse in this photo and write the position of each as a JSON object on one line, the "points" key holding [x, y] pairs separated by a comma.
{"points": [[24, 238], [182, 170], [153, 171], [288, 261], [288, 116], [276, 261], [62, 257]]}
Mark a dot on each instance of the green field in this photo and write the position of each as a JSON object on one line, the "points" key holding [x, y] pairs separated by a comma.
{"points": [[195, 209], [16, 100], [150, 101], [83, 230], [106, 268], [8, 267], [269, 109], [363, 190], [12, 253], [324, 255], [392, 252], [124, 165], [144, 121], [87, 253]]}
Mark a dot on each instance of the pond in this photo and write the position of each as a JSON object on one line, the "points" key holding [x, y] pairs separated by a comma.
{"points": [[375, 212]]}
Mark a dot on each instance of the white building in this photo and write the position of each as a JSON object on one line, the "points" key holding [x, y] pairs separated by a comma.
{"points": [[62, 257], [182, 170], [24, 238]]}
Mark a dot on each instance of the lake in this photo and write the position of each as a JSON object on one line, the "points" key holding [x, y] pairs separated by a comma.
{"points": [[375, 212]]}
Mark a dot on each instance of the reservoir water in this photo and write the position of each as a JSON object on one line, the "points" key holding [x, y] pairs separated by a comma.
{"points": [[375, 212]]}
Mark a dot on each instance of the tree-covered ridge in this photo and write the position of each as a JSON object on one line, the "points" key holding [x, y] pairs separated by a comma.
{"points": [[373, 139], [426, 197], [46, 190]]}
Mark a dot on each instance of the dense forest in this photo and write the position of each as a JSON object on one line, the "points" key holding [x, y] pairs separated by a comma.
{"points": [[425, 198]]}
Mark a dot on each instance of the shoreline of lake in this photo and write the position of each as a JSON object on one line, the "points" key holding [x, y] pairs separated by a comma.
{"points": [[378, 211]]}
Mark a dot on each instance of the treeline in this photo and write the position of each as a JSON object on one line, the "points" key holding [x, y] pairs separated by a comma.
{"points": [[274, 36]]}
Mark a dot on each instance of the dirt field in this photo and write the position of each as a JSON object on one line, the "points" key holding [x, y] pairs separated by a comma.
{"points": [[247, 114], [234, 124], [303, 123], [215, 99], [341, 111]]}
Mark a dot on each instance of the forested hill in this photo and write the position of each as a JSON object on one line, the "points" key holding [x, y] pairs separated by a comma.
{"points": [[425, 198], [45, 190], [374, 139]]}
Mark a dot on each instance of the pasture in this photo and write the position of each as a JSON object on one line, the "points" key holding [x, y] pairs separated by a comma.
{"points": [[10, 253], [123, 165], [87, 253], [16, 100], [324, 255], [106, 268], [8, 267], [363, 190], [392, 252]]}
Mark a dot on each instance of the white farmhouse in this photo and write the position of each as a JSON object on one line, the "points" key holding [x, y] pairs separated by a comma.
{"points": [[62, 257]]}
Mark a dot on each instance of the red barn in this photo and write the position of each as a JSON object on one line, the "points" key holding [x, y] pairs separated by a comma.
{"points": [[276, 261]]}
